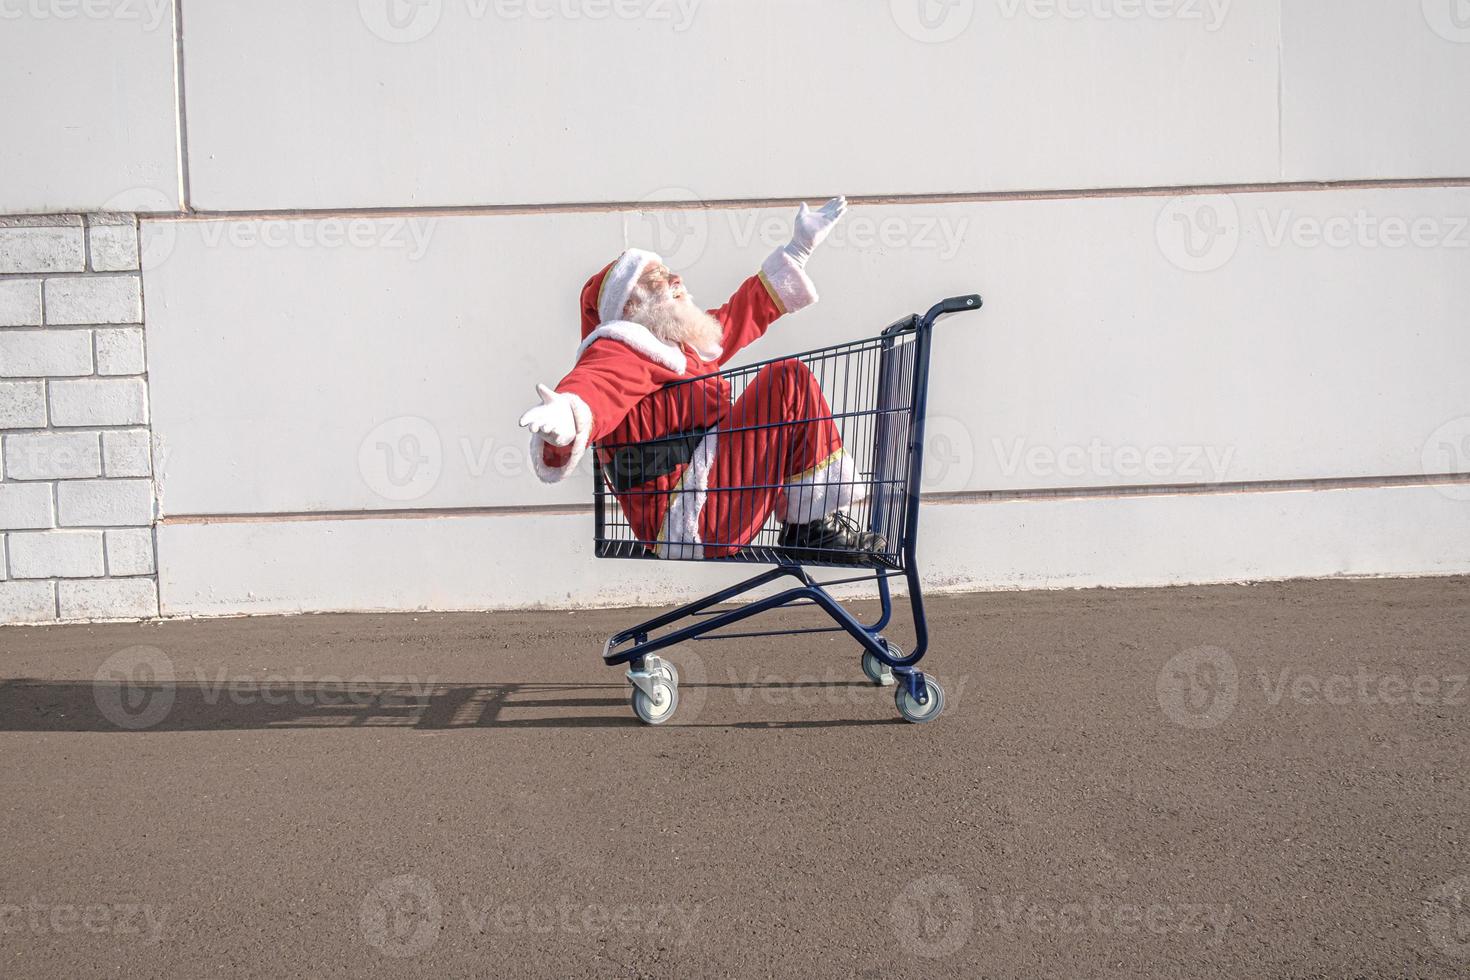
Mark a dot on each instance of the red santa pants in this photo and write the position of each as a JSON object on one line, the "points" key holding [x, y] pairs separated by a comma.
{"points": [[777, 450]]}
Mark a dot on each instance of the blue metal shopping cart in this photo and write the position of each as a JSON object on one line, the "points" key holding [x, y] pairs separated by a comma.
{"points": [[876, 392]]}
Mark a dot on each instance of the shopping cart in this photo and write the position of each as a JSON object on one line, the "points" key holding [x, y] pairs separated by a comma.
{"points": [[874, 396]]}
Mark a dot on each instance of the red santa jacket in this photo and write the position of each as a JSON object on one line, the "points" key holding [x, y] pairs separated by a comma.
{"points": [[617, 395]]}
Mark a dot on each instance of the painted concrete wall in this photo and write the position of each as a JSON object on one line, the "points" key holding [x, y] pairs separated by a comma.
{"points": [[364, 225]]}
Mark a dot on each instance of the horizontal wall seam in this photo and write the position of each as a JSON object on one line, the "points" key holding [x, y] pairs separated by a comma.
{"points": [[952, 497], [976, 197]]}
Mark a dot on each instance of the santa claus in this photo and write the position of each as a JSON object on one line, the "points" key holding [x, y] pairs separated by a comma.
{"points": [[696, 472]]}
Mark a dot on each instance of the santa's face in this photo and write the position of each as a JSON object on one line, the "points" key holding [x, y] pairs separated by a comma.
{"points": [[660, 284], [661, 303]]}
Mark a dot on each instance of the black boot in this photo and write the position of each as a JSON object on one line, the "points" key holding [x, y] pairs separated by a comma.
{"points": [[835, 537]]}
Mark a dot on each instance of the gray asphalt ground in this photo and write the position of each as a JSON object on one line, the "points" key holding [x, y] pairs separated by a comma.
{"points": [[1265, 781]]}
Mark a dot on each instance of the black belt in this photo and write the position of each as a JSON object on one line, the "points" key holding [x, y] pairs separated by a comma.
{"points": [[632, 466]]}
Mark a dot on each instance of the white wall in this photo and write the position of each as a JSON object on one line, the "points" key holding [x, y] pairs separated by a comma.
{"points": [[313, 356], [88, 118]]}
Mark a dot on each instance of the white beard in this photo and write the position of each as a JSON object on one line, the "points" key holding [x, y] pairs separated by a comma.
{"points": [[679, 321]]}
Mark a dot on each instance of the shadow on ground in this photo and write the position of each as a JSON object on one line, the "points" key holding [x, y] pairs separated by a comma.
{"points": [[28, 705]]}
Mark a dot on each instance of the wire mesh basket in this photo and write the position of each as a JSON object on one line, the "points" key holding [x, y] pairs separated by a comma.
{"points": [[831, 425]]}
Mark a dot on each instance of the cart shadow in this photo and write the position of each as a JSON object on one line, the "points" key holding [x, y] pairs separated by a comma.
{"points": [[29, 705]]}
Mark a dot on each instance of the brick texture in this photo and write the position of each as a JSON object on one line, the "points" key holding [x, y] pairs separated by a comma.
{"points": [[76, 489], [94, 299], [41, 249], [55, 554]]}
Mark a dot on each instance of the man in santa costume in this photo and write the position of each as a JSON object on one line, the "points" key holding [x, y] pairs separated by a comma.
{"points": [[697, 473]]}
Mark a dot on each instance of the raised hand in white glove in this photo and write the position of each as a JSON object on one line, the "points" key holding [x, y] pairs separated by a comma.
{"points": [[552, 420], [812, 227]]}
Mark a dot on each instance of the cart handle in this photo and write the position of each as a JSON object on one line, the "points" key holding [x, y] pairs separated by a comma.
{"points": [[955, 304]]}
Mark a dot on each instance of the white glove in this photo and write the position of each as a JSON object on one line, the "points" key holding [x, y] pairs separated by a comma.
{"points": [[812, 227], [552, 420]]}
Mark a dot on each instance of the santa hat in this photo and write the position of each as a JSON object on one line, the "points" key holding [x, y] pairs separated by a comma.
{"points": [[606, 294], [603, 300]]}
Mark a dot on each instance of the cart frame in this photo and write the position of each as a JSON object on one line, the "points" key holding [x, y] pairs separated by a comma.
{"points": [[637, 647]]}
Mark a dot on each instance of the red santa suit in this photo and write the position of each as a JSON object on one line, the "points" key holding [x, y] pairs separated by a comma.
{"points": [[710, 470]]}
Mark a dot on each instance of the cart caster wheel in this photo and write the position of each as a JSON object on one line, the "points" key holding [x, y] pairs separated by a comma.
{"points": [[658, 708], [912, 710], [876, 670], [660, 666]]}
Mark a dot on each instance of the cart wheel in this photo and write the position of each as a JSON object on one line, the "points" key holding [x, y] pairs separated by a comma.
{"points": [[657, 709], [876, 670], [914, 711]]}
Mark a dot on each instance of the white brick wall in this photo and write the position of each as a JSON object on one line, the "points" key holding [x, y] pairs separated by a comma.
{"points": [[76, 489]]}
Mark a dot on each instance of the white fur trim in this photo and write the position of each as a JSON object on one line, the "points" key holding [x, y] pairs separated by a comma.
{"points": [[618, 284], [642, 340], [679, 537], [788, 280], [582, 415], [818, 494]]}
